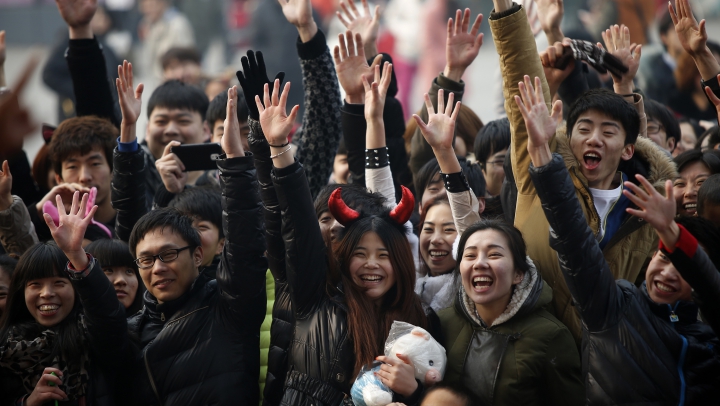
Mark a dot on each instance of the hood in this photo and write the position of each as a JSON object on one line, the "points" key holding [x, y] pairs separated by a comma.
{"points": [[648, 160], [529, 295]]}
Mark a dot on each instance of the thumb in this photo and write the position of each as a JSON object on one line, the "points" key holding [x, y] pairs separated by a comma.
{"points": [[404, 358], [168, 147], [376, 61], [50, 223], [557, 111], [420, 123]]}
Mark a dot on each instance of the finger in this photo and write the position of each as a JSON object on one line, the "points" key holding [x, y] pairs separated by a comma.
{"points": [[421, 124], [359, 44], [284, 95], [455, 112], [74, 206], [465, 21], [673, 15], [139, 91], [259, 104], [350, 38], [385, 370], [404, 358], [343, 47], [91, 214], [50, 223], [539, 97], [551, 56], [231, 109], [479, 41], [276, 93], [344, 7], [342, 20], [376, 14], [476, 25], [606, 38], [557, 111], [669, 190], [458, 22], [353, 8], [336, 55], [5, 168], [293, 113], [83, 204], [524, 95], [441, 101], [637, 53], [366, 84], [701, 28], [637, 191], [626, 37], [521, 106], [647, 185], [386, 77], [377, 60], [429, 105], [168, 148], [60, 205], [636, 213], [365, 7], [266, 96], [129, 75], [376, 73], [449, 28], [711, 95], [448, 108]]}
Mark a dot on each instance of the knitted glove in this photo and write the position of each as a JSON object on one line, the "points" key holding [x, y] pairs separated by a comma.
{"points": [[254, 79], [597, 57]]}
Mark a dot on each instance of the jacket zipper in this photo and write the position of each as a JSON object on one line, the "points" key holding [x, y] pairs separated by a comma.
{"points": [[683, 353], [147, 364]]}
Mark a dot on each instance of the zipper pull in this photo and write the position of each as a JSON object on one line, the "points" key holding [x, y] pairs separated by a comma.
{"points": [[162, 317], [674, 317]]}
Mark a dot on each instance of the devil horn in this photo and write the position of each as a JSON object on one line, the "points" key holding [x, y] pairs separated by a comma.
{"points": [[342, 213], [402, 212]]}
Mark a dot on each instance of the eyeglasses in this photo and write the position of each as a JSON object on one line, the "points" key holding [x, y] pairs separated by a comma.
{"points": [[165, 256], [498, 163], [653, 129]]}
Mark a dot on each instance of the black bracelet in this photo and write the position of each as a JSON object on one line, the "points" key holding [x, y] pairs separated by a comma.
{"points": [[280, 146], [455, 182], [377, 158], [628, 95]]}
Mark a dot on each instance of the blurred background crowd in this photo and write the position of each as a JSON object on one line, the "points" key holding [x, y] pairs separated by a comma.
{"points": [[201, 42]]}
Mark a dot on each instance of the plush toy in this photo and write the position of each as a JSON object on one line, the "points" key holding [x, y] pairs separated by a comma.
{"points": [[427, 355]]}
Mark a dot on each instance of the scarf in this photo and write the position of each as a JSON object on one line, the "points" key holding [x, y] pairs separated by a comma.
{"points": [[28, 359]]}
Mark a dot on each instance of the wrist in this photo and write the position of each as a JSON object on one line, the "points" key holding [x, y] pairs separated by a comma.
{"points": [[453, 73], [354, 98], [6, 202], [554, 34], [127, 132], [623, 88], [78, 260], [81, 32], [540, 155], [307, 31], [410, 389]]}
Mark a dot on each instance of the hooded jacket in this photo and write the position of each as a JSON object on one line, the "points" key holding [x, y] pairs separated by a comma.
{"points": [[632, 245], [526, 357], [204, 347], [634, 350]]}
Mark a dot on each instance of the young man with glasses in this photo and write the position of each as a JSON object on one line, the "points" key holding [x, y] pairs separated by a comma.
{"points": [[199, 338]]}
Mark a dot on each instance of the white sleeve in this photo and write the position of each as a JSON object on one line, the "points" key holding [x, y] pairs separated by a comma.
{"points": [[464, 207], [380, 181]]}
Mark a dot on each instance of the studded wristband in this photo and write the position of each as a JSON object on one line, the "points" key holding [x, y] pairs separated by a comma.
{"points": [[377, 158], [76, 274], [455, 182]]}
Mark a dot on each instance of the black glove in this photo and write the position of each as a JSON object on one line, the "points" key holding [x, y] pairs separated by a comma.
{"points": [[254, 79], [597, 57]]}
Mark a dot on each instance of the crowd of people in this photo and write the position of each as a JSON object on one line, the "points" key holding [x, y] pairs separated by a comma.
{"points": [[566, 254]]}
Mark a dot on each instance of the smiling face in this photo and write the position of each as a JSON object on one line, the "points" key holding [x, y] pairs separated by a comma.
{"points": [[598, 143], [436, 239], [688, 139], [656, 132], [167, 281], [664, 283], [89, 170], [49, 300], [165, 125], [124, 281], [370, 267], [488, 272], [686, 187]]}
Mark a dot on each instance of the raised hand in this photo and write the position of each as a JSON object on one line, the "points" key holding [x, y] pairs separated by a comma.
{"points": [[693, 36], [714, 99], [365, 24], [15, 121], [231, 141], [398, 374], [351, 66], [77, 15], [171, 169], [5, 187], [130, 101], [548, 58], [299, 14], [550, 14], [376, 91], [70, 231], [462, 47], [274, 120], [541, 125], [440, 128], [654, 208], [2, 58], [617, 42], [253, 78]]}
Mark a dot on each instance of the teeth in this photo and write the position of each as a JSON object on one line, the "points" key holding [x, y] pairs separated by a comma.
{"points": [[48, 308], [482, 279], [434, 253], [664, 287], [371, 278], [591, 155], [691, 206]]}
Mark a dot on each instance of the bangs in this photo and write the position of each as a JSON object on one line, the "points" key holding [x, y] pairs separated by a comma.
{"points": [[42, 260], [111, 253]]}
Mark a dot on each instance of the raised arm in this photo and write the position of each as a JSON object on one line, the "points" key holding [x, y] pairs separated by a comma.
{"points": [[550, 14], [241, 274], [17, 233], [366, 24], [586, 272], [86, 61], [693, 38], [129, 171], [320, 132], [712, 95], [378, 176], [461, 49]]}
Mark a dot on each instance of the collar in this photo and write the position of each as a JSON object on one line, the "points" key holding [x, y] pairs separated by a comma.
{"points": [[681, 313], [165, 311]]}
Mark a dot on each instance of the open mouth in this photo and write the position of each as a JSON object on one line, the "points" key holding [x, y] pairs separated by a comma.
{"points": [[664, 288], [163, 283], [690, 207], [438, 255], [482, 283], [592, 160], [371, 279], [48, 309]]}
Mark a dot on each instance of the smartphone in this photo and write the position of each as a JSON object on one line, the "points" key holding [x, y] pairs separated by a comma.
{"points": [[198, 157]]}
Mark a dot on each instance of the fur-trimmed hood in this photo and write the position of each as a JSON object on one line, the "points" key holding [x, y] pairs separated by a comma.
{"points": [[648, 160], [531, 293]]}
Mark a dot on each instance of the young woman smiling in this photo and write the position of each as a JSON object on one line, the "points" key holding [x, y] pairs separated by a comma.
{"points": [[497, 326], [340, 328], [122, 271], [63, 335]]}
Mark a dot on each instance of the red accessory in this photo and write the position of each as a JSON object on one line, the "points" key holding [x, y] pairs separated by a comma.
{"points": [[342, 213], [402, 212]]}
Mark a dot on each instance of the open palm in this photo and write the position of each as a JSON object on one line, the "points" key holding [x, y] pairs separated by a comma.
{"points": [[462, 47], [541, 125], [274, 120], [440, 128], [70, 231], [550, 13], [130, 101], [617, 42], [350, 64], [365, 24], [297, 12], [231, 142], [693, 36], [77, 12]]}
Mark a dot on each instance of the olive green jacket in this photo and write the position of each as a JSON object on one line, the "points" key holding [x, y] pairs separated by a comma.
{"points": [[526, 357]]}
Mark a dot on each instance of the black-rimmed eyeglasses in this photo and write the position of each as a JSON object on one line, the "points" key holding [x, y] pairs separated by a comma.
{"points": [[165, 256]]}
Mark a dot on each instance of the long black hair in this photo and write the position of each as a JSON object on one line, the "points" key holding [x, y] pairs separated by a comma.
{"points": [[42, 260], [117, 253]]}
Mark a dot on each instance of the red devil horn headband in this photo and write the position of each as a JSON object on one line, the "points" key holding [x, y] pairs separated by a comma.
{"points": [[402, 212], [342, 213]]}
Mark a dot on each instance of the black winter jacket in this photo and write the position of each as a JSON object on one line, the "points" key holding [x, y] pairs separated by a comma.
{"points": [[204, 347], [107, 340], [633, 350]]}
